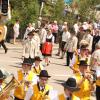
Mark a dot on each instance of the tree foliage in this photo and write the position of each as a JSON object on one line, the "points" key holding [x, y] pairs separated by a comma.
{"points": [[87, 8], [24, 10], [28, 10]]}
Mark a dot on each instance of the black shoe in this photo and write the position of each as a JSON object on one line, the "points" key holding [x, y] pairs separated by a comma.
{"points": [[6, 50]]}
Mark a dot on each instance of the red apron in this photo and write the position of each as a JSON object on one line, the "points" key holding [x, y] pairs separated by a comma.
{"points": [[47, 48]]}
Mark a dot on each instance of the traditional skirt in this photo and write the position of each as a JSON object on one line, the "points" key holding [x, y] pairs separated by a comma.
{"points": [[47, 49]]}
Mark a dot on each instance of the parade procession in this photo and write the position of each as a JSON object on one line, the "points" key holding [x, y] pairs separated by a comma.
{"points": [[49, 50]]}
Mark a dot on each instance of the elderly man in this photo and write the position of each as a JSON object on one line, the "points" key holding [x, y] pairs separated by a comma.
{"points": [[41, 90]]}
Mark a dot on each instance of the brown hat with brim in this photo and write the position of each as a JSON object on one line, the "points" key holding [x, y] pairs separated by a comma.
{"points": [[37, 58]]}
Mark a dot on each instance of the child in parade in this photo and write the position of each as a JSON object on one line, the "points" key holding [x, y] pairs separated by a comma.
{"points": [[37, 66]]}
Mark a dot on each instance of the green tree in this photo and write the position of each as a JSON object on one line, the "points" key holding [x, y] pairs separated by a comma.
{"points": [[25, 10], [58, 10], [87, 8]]}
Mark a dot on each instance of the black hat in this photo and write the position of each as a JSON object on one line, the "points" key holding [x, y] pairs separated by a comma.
{"points": [[27, 62], [30, 33], [37, 58], [2, 76], [83, 63], [71, 84], [37, 30], [33, 30], [44, 73]]}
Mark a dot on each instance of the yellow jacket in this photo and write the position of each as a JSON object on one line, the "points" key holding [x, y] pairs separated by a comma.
{"points": [[62, 97], [20, 90], [76, 66], [37, 70], [78, 58], [85, 88], [39, 95], [98, 82]]}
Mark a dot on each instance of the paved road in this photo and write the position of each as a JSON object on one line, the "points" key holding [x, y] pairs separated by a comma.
{"points": [[12, 62]]}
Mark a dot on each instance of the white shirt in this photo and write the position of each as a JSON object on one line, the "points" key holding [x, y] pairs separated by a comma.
{"points": [[16, 28], [71, 44], [30, 48], [28, 29], [43, 34], [76, 28], [49, 37], [37, 39], [85, 26], [65, 36]]}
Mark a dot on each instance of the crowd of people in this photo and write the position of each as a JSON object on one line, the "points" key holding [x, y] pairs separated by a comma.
{"points": [[81, 45]]}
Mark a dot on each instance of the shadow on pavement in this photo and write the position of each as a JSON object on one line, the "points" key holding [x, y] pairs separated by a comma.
{"points": [[18, 65], [57, 64], [58, 81]]}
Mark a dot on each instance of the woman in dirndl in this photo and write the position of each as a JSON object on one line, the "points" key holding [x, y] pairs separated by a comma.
{"points": [[47, 46]]}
